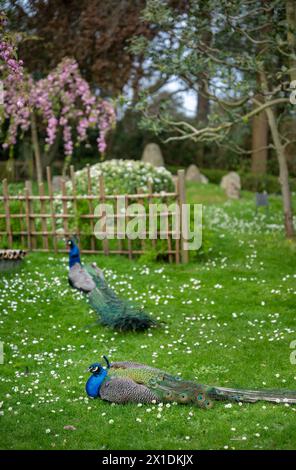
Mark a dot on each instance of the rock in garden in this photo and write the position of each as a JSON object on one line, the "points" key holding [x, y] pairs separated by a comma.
{"points": [[193, 174], [204, 179], [57, 183], [152, 154], [231, 184]]}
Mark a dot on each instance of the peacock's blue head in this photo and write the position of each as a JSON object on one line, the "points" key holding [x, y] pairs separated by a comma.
{"points": [[72, 242], [74, 254], [95, 381], [96, 368]]}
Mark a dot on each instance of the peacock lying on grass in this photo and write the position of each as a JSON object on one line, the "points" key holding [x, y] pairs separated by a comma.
{"points": [[123, 382], [11, 259], [113, 311]]}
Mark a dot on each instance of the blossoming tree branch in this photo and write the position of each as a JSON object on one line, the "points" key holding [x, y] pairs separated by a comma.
{"points": [[62, 101]]}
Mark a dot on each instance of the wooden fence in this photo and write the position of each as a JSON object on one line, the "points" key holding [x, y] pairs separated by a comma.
{"points": [[30, 220]]}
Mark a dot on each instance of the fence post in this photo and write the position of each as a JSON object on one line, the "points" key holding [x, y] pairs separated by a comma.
{"points": [[150, 202], [31, 220], [184, 221], [90, 208], [43, 218], [53, 220], [7, 212], [74, 193], [129, 242], [65, 209], [28, 223], [102, 199]]}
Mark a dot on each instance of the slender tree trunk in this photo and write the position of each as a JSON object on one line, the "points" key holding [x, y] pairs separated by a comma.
{"points": [[203, 102], [203, 105], [284, 174], [259, 143], [291, 35], [36, 148]]}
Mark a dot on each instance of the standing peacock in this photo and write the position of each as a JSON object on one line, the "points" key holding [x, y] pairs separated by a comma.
{"points": [[123, 382], [114, 312]]}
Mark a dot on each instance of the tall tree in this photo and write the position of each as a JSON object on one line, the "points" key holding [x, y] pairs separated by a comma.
{"points": [[95, 33], [234, 72]]}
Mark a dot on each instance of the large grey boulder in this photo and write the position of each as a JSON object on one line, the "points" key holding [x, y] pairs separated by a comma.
{"points": [[152, 154], [193, 174], [231, 183]]}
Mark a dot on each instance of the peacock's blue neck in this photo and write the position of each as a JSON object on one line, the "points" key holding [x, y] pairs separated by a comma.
{"points": [[94, 384], [74, 256]]}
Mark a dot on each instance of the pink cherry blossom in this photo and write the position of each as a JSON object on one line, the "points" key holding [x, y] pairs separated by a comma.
{"points": [[62, 99]]}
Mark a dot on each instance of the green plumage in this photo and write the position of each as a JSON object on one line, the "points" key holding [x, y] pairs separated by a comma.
{"points": [[132, 382], [115, 312], [165, 387]]}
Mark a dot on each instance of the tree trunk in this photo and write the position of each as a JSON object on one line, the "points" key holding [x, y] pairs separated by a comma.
{"points": [[36, 148], [259, 143], [284, 174], [203, 104], [291, 20]]}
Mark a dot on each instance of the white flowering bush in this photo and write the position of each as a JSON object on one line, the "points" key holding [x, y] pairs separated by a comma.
{"points": [[124, 177], [120, 177]]}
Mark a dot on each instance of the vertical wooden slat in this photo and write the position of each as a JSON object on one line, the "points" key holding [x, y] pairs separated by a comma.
{"points": [[129, 242], [118, 218], [184, 227], [31, 224], [65, 209], [177, 240], [169, 236], [150, 201], [74, 194], [43, 220], [102, 199], [140, 201], [29, 240], [90, 208], [7, 212], [52, 211], [22, 228]]}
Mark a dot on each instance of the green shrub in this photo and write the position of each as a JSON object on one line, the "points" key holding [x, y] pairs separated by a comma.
{"points": [[214, 176], [124, 177]]}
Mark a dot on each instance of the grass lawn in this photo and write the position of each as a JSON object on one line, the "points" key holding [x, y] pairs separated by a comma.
{"points": [[229, 319]]}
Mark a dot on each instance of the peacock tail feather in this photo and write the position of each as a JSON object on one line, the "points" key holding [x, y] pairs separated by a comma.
{"points": [[117, 313], [252, 396], [165, 387], [168, 388], [113, 311]]}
